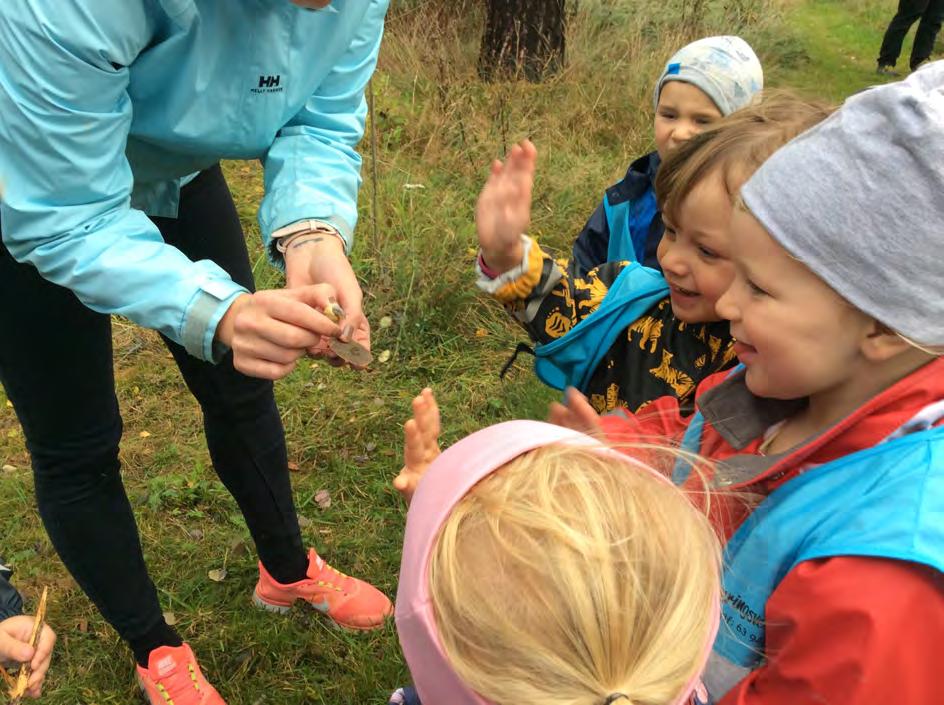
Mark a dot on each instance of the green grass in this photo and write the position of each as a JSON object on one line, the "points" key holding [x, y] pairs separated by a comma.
{"points": [[437, 128]]}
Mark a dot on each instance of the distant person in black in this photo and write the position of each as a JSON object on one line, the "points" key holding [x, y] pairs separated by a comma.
{"points": [[930, 12]]}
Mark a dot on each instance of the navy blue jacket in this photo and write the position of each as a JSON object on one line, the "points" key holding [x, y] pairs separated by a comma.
{"points": [[628, 216], [11, 604]]}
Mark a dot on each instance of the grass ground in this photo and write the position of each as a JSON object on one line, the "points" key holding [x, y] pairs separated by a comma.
{"points": [[436, 128]]}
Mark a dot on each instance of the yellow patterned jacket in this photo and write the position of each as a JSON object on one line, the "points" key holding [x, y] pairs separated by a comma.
{"points": [[657, 356]]}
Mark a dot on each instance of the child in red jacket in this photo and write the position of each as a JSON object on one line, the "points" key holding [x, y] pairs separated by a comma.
{"points": [[834, 578]]}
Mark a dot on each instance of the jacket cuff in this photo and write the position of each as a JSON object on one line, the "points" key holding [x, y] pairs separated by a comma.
{"points": [[517, 283], [204, 314]]}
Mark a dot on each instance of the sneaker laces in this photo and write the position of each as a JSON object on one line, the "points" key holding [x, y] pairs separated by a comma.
{"points": [[178, 683]]}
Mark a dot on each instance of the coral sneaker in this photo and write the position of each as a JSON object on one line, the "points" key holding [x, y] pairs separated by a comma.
{"points": [[350, 602], [174, 678]]}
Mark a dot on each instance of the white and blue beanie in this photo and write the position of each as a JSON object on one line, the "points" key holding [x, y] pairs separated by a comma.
{"points": [[726, 69]]}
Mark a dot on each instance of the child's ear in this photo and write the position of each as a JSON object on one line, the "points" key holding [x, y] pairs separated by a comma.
{"points": [[882, 343]]}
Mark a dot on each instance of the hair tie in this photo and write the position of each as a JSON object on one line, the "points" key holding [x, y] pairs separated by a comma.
{"points": [[613, 697]]}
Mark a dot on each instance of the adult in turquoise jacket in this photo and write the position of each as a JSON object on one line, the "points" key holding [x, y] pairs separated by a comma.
{"points": [[115, 114]]}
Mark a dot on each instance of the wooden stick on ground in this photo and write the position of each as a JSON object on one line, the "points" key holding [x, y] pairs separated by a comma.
{"points": [[22, 679]]}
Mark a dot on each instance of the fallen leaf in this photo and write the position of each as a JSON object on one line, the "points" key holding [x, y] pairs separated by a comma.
{"points": [[411, 187], [481, 333], [217, 575], [313, 365], [386, 322], [196, 534], [9, 468], [144, 434], [378, 401], [323, 498], [384, 356], [303, 521], [370, 447], [171, 618], [82, 625], [321, 387], [238, 547], [292, 466], [9, 404]]}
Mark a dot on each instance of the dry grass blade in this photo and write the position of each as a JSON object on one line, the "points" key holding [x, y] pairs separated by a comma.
{"points": [[22, 679]]}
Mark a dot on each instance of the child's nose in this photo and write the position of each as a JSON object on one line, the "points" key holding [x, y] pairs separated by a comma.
{"points": [[673, 262], [726, 306], [684, 132]]}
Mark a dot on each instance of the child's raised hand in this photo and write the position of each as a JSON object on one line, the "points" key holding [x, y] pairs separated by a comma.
{"points": [[503, 211], [420, 443], [577, 415], [15, 634]]}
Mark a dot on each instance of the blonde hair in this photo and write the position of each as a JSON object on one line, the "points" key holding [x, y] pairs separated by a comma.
{"points": [[737, 145], [568, 575]]}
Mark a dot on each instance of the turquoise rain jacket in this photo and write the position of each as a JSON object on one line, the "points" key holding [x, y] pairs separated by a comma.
{"points": [[107, 106]]}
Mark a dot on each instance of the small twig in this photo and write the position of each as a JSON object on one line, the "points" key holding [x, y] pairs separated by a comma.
{"points": [[22, 679], [375, 211]]}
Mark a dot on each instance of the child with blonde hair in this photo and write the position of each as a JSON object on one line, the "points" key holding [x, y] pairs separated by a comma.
{"points": [[834, 583], [541, 566], [624, 335]]}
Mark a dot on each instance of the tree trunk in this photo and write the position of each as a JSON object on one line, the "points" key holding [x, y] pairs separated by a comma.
{"points": [[522, 38]]}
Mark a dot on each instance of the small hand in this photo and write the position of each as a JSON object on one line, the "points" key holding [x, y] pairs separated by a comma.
{"points": [[420, 443], [503, 211], [15, 634], [577, 415], [270, 330]]}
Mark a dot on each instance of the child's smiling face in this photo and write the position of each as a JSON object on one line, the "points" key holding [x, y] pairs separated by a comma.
{"points": [[694, 251], [683, 111], [796, 336]]}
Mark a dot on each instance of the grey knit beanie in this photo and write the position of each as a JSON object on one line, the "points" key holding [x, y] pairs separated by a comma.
{"points": [[859, 199]]}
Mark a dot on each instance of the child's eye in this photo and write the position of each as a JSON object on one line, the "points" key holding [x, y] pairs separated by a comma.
{"points": [[703, 121], [706, 253], [756, 290], [670, 233], [667, 114]]}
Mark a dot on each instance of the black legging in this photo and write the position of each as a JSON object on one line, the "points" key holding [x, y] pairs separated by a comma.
{"points": [[930, 12], [56, 366]]}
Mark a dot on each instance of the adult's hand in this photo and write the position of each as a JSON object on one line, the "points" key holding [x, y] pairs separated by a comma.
{"points": [[15, 634], [270, 330], [318, 258]]}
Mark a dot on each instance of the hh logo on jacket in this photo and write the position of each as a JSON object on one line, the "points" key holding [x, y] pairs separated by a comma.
{"points": [[269, 84]]}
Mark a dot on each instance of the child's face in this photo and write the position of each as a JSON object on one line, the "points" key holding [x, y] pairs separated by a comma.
{"points": [[694, 252], [795, 335], [683, 111]]}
